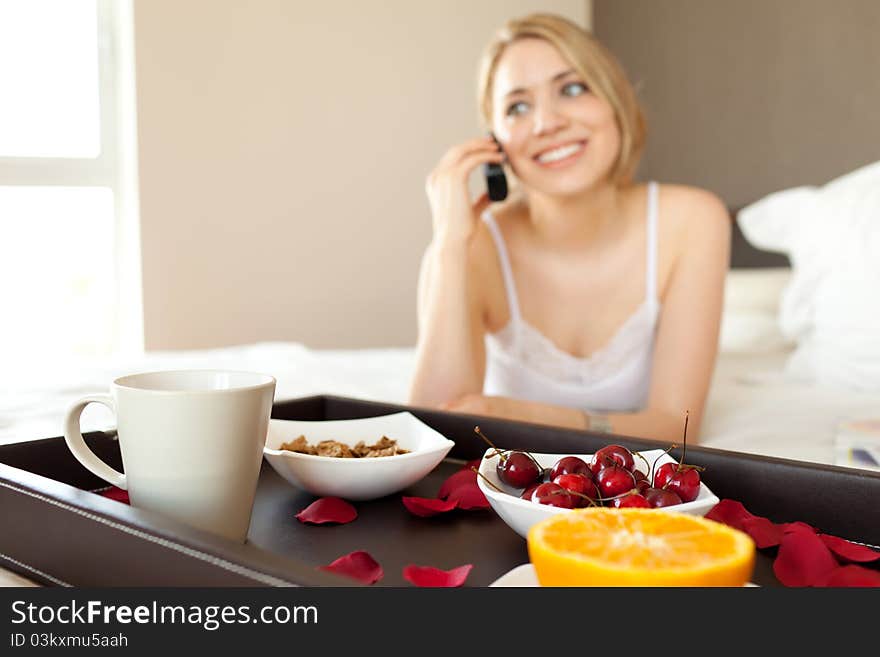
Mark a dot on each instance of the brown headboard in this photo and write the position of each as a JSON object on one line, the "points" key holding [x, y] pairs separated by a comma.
{"points": [[750, 97], [745, 256]]}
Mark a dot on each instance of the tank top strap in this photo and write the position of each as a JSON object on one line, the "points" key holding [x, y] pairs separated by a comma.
{"points": [[506, 270], [651, 245]]}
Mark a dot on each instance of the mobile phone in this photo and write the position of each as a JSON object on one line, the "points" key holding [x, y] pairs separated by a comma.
{"points": [[496, 181]]}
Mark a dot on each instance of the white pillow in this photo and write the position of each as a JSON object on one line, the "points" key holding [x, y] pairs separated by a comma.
{"points": [[750, 319], [831, 307]]}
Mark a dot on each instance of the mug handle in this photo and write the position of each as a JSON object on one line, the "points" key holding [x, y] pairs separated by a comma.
{"points": [[73, 438]]}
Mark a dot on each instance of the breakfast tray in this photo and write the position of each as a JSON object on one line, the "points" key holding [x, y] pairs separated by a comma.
{"points": [[57, 532]]}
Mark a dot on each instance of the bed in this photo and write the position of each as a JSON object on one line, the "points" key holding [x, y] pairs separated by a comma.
{"points": [[753, 406]]}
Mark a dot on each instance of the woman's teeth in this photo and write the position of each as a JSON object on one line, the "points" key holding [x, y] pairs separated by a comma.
{"points": [[560, 153]]}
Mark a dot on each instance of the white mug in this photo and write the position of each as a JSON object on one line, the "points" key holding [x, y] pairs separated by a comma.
{"points": [[191, 442]]}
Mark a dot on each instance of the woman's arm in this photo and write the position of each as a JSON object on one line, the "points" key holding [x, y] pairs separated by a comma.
{"points": [[648, 423], [450, 355], [687, 333], [686, 343]]}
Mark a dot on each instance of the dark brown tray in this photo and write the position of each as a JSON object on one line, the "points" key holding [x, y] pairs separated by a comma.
{"points": [[57, 532]]}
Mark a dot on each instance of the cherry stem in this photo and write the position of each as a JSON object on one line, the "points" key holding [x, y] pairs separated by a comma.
{"points": [[498, 452], [535, 461], [633, 491], [593, 502], [669, 449], [503, 453], [568, 491], [684, 439], [488, 481], [639, 454]]}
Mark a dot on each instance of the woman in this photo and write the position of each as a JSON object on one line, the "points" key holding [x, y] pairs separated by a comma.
{"points": [[584, 300]]}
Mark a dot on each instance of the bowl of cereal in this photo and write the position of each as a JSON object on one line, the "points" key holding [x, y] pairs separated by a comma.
{"points": [[359, 459]]}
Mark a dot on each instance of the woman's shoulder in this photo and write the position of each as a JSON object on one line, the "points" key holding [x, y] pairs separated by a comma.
{"points": [[692, 205], [692, 215]]}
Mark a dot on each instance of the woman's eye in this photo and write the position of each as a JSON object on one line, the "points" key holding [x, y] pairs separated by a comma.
{"points": [[515, 109], [574, 89]]}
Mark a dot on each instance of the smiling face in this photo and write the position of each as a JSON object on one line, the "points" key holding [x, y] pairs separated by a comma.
{"points": [[559, 137]]}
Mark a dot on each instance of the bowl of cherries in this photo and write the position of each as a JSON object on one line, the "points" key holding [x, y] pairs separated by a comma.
{"points": [[526, 487]]}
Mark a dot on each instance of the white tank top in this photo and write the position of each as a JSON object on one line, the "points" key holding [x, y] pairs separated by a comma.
{"points": [[523, 363]]}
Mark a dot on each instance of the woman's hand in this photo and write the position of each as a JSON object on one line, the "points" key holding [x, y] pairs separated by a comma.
{"points": [[453, 213], [518, 409], [477, 404]]}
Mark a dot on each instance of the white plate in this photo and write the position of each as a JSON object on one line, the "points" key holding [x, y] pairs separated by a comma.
{"points": [[356, 478], [524, 575], [521, 514]]}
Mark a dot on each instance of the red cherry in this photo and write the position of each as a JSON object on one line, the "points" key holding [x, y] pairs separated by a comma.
{"points": [[631, 499], [527, 493], [612, 454], [659, 497], [579, 484], [642, 482], [570, 465], [553, 495], [663, 474], [518, 469], [614, 480], [681, 479]]}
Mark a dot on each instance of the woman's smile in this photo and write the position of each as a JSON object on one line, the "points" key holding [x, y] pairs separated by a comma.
{"points": [[562, 155]]}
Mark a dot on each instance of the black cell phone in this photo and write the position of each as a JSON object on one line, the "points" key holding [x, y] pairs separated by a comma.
{"points": [[496, 181]]}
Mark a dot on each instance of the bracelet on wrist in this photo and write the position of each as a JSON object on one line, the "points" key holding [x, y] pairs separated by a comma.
{"points": [[598, 422]]}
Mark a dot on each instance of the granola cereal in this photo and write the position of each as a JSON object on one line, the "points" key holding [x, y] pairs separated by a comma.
{"points": [[300, 445], [385, 446]]}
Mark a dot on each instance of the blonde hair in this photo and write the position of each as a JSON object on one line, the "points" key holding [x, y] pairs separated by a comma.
{"points": [[599, 68]]}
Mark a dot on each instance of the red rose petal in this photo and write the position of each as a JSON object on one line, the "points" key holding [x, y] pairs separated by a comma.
{"points": [[803, 560], [798, 526], [805, 557], [853, 575], [117, 494], [849, 550], [328, 509], [730, 512], [426, 507], [763, 532], [469, 497], [460, 478], [429, 576], [358, 565]]}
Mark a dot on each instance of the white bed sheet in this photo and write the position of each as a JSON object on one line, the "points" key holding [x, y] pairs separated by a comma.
{"points": [[752, 406], [755, 407], [33, 402]]}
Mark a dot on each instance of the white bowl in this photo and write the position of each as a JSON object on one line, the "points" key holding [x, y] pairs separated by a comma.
{"points": [[356, 478], [521, 514]]}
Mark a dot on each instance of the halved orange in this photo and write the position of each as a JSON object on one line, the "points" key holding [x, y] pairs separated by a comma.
{"points": [[599, 546]]}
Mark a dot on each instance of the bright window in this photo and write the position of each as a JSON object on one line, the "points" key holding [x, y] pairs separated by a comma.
{"points": [[69, 270], [49, 69]]}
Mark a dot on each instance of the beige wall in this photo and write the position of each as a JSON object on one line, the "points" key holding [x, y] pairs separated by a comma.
{"points": [[283, 147]]}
